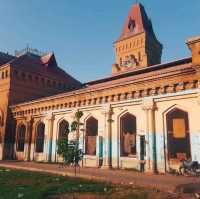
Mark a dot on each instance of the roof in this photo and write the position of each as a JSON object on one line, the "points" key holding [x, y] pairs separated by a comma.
{"points": [[134, 72], [48, 60], [123, 78], [33, 62], [137, 22], [4, 58]]}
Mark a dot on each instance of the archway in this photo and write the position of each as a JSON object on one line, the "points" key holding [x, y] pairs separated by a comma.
{"points": [[21, 132], [128, 135], [91, 134], [39, 145], [178, 137], [63, 129]]}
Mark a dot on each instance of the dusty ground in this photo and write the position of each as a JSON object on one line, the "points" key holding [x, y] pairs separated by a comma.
{"points": [[124, 183]]}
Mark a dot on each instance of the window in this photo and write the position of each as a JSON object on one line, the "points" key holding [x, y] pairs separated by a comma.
{"points": [[23, 76], [43, 81], [120, 61], [91, 135], [63, 129], [36, 78], [48, 83], [21, 138], [178, 136], [40, 138], [30, 77], [6, 74], [139, 56], [15, 73], [128, 135]]}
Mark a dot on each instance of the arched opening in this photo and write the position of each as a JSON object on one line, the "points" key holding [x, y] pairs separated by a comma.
{"points": [[39, 145], [91, 134], [178, 137], [21, 138], [63, 129], [128, 135]]}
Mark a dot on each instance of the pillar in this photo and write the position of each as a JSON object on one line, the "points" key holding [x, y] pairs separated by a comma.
{"points": [[149, 108], [194, 45], [28, 139], [49, 138], [107, 137]]}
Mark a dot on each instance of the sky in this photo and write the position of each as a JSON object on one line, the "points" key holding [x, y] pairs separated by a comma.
{"points": [[81, 32]]}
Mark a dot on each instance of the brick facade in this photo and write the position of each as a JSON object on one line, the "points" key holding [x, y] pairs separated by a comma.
{"points": [[36, 92]]}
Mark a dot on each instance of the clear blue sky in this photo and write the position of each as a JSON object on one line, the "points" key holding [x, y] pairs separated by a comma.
{"points": [[81, 32]]}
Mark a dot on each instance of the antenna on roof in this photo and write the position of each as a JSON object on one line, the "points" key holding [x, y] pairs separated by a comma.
{"points": [[27, 47]]}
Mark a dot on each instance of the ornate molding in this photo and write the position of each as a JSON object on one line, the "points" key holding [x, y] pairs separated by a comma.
{"points": [[29, 119], [148, 104], [50, 116], [107, 109]]}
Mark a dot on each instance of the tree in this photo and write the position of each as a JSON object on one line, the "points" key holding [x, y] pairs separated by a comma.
{"points": [[69, 150], [76, 124]]}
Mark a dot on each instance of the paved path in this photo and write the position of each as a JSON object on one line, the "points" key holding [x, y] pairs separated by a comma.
{"points": [[161, 182]]}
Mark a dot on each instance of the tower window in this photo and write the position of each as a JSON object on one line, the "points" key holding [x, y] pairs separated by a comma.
{"points": [[23, 76], [139, 56], [6, 73], [131, 25], [30, 77], [120, 61]]}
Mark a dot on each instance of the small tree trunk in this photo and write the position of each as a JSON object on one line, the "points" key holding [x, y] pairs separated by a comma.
{"points": [[75, 169]]}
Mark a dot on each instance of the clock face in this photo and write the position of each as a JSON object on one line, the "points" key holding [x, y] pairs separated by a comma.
{"points": [[131, 62]]}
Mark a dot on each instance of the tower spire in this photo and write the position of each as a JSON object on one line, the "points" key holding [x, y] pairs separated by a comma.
{"points": [[137, 45]]}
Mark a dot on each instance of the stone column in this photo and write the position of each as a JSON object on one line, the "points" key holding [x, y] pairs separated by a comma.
{"points": [[107, 138], [153, 137], [149, 108], [147, 139], [28, 138], [49, 141]]}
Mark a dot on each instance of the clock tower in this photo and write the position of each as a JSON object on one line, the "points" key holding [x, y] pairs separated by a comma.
{"points": [[137, 46]]}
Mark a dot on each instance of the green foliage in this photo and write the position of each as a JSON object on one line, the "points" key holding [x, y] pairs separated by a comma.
{"points": [[78, 114], [70, 151], [74, 126], [33, 185], [76, 123], [62, 147]]}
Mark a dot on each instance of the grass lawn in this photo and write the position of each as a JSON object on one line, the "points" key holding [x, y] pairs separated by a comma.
{"points": [[33, 185]]}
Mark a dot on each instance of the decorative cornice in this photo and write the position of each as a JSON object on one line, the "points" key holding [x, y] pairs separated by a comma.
{"points": [[148, 104]]}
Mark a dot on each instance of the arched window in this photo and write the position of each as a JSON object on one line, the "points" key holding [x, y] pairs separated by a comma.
{"points": [[91, 135], [21, 137], [178, 137], [63, 129], [128, 135], [39, 145], [120, 61], [139, 56]]}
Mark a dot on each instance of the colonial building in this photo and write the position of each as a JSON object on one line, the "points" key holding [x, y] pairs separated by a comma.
{"points": [[145, 112]]}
